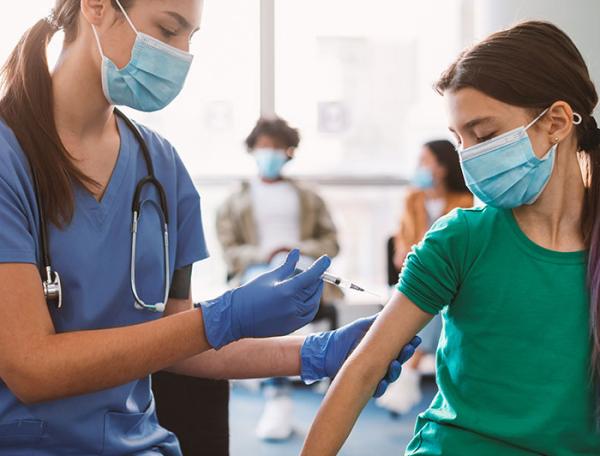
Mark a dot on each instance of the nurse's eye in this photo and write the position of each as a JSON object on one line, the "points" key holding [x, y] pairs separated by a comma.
{"points": [[485, 138], [166, 32]]}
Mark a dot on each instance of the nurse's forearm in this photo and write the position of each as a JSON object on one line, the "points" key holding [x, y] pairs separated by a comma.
{"points": [[73, 363], [247, 358]]}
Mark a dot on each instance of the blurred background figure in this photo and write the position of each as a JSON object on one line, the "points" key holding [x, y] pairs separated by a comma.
{"points": [[437, 188], [259, 224]]}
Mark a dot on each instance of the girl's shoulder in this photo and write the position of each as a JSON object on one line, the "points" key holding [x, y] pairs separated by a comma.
{"points": [[468, 223]]}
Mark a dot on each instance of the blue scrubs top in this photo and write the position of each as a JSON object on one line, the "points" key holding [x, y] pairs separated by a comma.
{"points": [[92, 255]]}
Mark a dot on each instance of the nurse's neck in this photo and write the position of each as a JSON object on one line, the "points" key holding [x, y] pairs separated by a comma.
{"points": [[80, 107]]}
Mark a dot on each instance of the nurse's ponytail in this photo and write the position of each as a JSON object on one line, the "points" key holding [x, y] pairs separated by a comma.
{"points": [[27, 107], [533, 65]]}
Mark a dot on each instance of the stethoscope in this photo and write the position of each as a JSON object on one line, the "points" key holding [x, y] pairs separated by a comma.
{"points": [[51, 279]]}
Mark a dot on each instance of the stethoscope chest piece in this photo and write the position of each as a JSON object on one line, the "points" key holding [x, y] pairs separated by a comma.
{"points": [[52, 287]]}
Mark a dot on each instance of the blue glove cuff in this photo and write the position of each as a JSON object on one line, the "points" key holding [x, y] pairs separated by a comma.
{"points": [[313, 355], [218, 321]]}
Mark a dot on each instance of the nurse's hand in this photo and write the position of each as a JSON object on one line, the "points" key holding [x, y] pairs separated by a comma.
{"points": [[324, 354], [273, 304]]}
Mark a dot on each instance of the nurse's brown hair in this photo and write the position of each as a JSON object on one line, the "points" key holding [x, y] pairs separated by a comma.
{"points": [[533, 65], [27, 107]]}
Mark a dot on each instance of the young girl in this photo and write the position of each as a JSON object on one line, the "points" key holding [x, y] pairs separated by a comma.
{"points": [[517, 281]]}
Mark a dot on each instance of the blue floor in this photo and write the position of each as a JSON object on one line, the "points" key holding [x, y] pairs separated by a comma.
{"points": [[375, 433]]}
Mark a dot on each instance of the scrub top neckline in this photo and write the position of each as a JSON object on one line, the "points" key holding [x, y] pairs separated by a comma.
{"points": [[100, 209], [536, 250]]}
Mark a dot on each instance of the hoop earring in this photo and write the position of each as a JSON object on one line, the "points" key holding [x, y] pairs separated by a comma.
{"points": [[577, 118]]}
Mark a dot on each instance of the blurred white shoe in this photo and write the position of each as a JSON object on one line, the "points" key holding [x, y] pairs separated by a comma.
{"points": [[322, 386], [404, 394], [276, 420], [251, 384], [427, 364]]}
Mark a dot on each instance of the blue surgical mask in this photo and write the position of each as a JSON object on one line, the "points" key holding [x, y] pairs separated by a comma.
{"points": [[153, 77], [423, 178], [504, 171], [270, 162]]}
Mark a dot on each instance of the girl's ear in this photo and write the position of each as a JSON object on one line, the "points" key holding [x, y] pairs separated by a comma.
{"points": [[560, 121]]}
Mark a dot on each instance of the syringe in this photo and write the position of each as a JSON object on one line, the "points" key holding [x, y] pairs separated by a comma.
{"points": [[342, 283]]}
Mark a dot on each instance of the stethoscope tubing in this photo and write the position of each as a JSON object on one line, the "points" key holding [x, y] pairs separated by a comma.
{"points": [[51, 282]]}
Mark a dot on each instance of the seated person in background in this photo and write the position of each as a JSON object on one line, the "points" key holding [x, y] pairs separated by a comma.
{"points": [[266, 218], [438, 187]]}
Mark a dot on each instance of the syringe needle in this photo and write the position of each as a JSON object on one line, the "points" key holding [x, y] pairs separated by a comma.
{"points": [[343, 283], [357, 288]]}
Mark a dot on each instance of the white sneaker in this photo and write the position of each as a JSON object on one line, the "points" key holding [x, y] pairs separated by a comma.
{"points": [[427, 364], [250, 384], [321, 387], [404, 394], [276, 420]]}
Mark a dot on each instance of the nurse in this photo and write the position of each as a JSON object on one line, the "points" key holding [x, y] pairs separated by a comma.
{"points": [[75, 379]]}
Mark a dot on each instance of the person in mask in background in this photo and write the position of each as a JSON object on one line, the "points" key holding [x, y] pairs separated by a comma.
{"points": [[438, 187], [262, 222]]}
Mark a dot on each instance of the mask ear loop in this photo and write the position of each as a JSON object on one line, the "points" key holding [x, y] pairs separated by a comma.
{"points": [[97, 40], [537, 118], [127, 17]]}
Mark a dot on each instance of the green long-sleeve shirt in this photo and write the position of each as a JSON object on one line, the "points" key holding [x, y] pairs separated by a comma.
{"points": [[514, 358]]}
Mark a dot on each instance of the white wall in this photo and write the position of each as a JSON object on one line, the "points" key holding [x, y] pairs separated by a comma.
{"points": [[580, 19]]}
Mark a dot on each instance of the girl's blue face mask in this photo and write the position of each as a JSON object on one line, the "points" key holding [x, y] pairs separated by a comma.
{"points": [[153, 77], [504, 171]]}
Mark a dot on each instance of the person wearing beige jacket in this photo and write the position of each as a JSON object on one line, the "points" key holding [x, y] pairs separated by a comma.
{"points": [[238, 232], [263, 220]]}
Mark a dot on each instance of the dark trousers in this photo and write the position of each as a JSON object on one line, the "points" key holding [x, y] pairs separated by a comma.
{"points": [[195, 410], [392, 272], [328, 312]]}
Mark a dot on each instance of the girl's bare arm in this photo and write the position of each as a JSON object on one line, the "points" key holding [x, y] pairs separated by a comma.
{"points": [[356, 382]]}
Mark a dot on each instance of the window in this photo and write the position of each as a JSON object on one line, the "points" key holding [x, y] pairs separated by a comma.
{"points": [[357, 79]]}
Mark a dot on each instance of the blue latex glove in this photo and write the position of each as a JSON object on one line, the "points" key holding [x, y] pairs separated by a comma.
{"points": [[273, 304], [324, 354]]}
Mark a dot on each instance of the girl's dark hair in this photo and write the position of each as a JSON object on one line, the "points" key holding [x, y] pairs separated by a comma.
{"points": [[533, 65], [27, 107], [445, 154], [276, 128]]}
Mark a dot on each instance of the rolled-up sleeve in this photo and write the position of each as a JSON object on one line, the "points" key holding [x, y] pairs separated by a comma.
{"points": [[432, 272]]}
